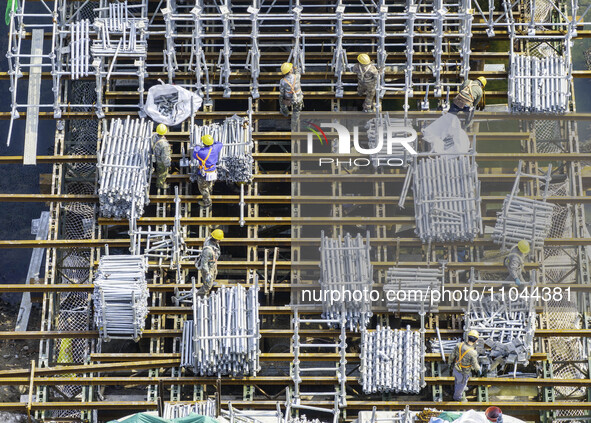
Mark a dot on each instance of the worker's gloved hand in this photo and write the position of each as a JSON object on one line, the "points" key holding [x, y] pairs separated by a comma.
{"points": [[517, 281]]}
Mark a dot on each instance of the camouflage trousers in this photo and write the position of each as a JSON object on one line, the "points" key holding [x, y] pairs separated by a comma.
{"points": [[161, 175], [205, 188], [369, 91], [296, 108], [208, 277]]}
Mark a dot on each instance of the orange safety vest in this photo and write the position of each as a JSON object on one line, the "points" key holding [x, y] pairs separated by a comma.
{"points": [[462, 355], [202, 166]]}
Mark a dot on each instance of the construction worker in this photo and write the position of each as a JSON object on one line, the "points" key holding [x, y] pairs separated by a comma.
{"points": [[162, 156], [494, 414], [464, 359], [515, 260], [468, 98], [208, 157], [367, 81], [207, 262], [290, 94]]}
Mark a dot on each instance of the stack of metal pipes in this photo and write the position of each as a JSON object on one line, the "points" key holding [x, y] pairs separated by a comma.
{"points": [[447, 199], [124, 165], [445, 345], [523, 219], [346, 269], [120, 297], [392, 361], [504, 325], [539, 85], [80, 49], [412, 289], [377, 128], [223, 337], [236, 161], [174, 410]]}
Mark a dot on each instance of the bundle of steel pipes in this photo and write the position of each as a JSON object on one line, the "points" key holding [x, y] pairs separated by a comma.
{"points": [[507, 327], [447, 198], [236, 161], [346, 268], [80, 49], [120, 297], [392, 361], [410, 290], [223, 337], [523, 219], [124, 165], [539, 85], [175, 410]]}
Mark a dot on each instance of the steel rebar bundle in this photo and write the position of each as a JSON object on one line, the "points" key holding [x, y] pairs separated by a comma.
{"points": [[236, 162], [539, 85], [125, 169], [223, 337], [173, 410], [447, 198], [121, 297], [413, 288], [346, 268], [391, 361], [377, 128]]}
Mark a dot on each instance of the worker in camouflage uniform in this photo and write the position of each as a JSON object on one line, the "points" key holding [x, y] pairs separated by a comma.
{"points": [[207, 262], [515, 260], [470, 94], [162, 156], [367, 81], [464, 359], [208, 156], [290, 94]]}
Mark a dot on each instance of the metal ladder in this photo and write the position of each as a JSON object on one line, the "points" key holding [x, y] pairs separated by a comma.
{"points": [[300, 349]]}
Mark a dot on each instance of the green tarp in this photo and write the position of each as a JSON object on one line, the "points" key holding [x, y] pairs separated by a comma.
{"points": [[148, 418]]}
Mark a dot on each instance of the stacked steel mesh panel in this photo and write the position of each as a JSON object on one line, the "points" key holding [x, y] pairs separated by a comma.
{"points": [[223, 337], [538, 85], [236, 161], [392, 360], [121, 297], [411, 289], [346, 269], [125, 168], [447, 198]]}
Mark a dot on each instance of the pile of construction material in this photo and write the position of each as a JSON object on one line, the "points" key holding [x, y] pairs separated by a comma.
{"points": [[506, 327], [346, 268], [377, 135], [523, 219], [410, 290], [125, 168], [539, 85], [236, 161], [445, 346], [176, 410], [392, 360], [120, 297], [447, 198], [223, 337], [234, 415]]}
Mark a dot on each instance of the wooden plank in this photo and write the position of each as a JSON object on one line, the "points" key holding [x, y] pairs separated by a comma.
{"points": [[34, 97]]}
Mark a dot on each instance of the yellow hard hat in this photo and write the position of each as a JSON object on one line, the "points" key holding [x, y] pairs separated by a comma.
{"points": [[474, 333], [363, 59], [286, 67], [482, 80], [217, 234], [523, 246], [161, 129], [207, 139]]}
